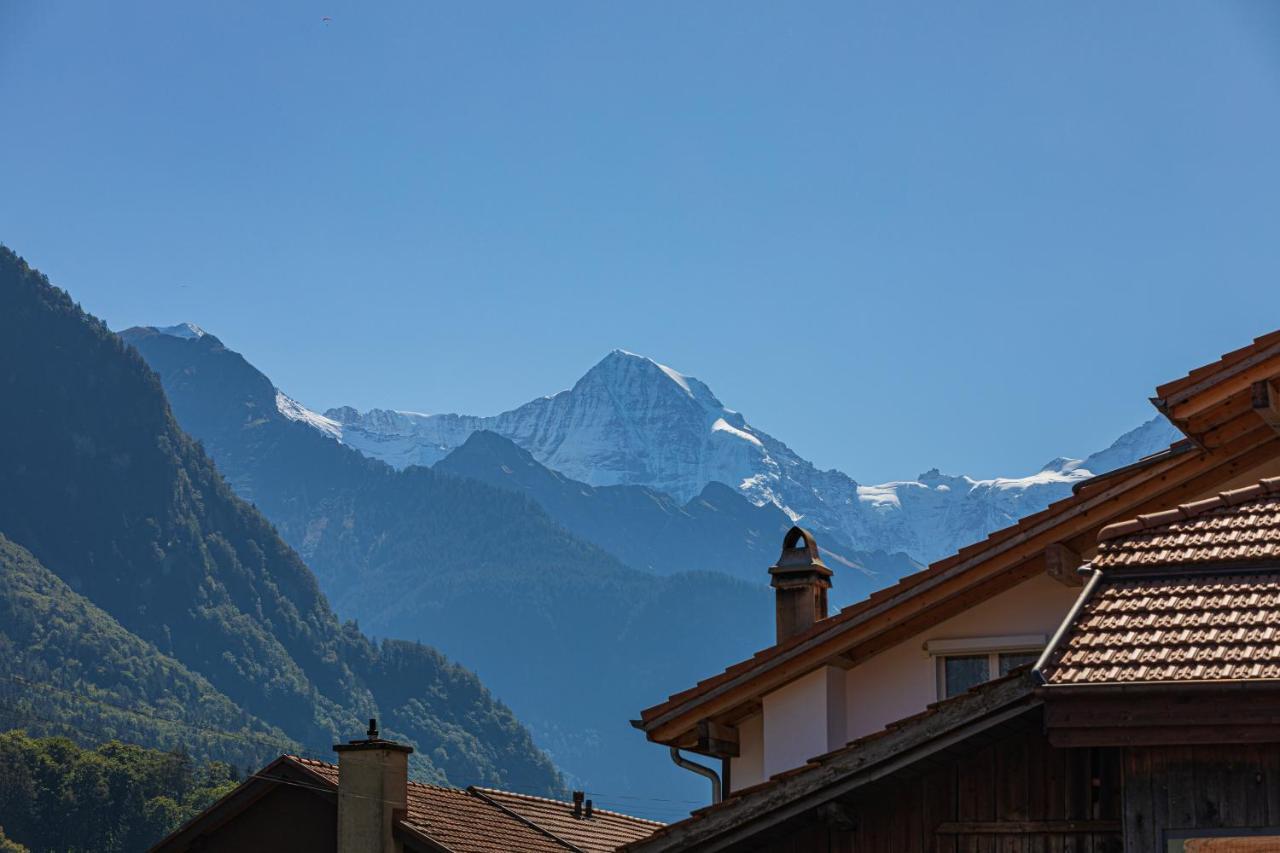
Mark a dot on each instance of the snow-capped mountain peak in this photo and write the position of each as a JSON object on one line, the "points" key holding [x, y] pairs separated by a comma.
{"points": [[187, 331], [633, 421], [295, 411]]}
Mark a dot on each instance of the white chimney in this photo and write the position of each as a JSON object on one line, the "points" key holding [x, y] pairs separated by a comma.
{"points": [[373, 790]]}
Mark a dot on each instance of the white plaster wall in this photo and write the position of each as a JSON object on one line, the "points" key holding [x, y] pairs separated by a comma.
{"points": [[902, 680], [748, 767], [803, 719]]}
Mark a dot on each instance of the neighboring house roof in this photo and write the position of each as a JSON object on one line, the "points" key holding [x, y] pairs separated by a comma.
{"points": [[604, 832], [454, 820], [863, 761], [1230, 430], [1191, 594]]}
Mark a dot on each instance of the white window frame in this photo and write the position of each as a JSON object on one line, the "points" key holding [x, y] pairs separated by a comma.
{"points": [[992, 647]]}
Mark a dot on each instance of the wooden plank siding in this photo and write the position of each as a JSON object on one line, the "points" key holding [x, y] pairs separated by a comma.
{"points": [[1199, 787], [1013, 793]]}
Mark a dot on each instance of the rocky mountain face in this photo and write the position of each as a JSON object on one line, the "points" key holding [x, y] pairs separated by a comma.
{"points": [[631, 421], [717, 529]]}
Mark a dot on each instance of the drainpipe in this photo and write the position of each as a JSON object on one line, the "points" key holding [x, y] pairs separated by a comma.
{"points": [[701, 770]]}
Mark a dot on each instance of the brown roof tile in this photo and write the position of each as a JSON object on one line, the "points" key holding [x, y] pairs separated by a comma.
{"points": [[1203, 627], [1235, 526], [1188, 594]]}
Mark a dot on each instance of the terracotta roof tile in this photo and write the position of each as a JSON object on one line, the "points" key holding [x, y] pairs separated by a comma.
{"points": [[1202, 627], [1188, 594], [1240, 525]]}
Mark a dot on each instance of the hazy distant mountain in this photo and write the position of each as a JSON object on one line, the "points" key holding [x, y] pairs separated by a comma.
{"points": [[632, 421], [157, 560], [574, 640], [717, 530]]}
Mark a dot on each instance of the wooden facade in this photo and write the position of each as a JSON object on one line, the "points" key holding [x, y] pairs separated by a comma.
{"points": [[1007, 791], [1018, 794]]}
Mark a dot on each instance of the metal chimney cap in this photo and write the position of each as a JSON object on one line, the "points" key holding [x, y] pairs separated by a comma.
{"points": [[799, 551]]}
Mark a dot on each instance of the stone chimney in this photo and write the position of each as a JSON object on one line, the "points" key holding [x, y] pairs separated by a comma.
{"points": [[801, 581], [373, 790]]}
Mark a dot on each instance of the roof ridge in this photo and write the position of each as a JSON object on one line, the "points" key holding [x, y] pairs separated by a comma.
{"points": [[1264, 488]]}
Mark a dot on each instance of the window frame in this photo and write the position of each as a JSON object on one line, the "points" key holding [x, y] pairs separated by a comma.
{"points": [[991, 647]]}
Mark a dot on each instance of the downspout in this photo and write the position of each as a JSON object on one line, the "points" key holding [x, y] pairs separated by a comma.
{"points": [[1037, 671], [701, 770]]}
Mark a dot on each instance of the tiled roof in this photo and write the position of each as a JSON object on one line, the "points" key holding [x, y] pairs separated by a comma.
{"points": [[1188, 594], [1240, 525], [1202, 627], [466, 821], [604, 832]]}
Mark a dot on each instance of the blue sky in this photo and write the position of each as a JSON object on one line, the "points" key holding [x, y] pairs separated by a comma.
{"points": [[895, 235]]}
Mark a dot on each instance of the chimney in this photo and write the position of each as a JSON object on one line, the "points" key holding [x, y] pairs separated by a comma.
{"points": [[577, 803], [801, 581], [373, 790]]}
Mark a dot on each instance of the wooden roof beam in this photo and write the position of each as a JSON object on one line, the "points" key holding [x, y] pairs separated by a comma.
{"points": [[1204, 395], [1266, 403], [1062, 564]]}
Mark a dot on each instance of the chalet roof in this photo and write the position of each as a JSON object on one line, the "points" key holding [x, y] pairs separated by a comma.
{"points": [[1229, 428], [471, 820], [1191, 594], [940, 726]]}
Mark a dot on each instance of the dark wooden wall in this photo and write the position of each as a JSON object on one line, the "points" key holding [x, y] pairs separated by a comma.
{"points": [[1012, 794], [286, 820], [1199, 787]]}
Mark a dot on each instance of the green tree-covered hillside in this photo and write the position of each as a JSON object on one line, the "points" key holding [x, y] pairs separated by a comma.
{"points": [[108, 494]]}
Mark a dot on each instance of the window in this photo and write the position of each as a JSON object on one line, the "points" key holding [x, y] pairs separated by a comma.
{"points": [[964, 664], [960, 672], [1009, 661]]}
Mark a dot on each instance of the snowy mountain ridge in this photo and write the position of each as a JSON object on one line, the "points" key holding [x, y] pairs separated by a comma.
{"points": [[632, 421]]}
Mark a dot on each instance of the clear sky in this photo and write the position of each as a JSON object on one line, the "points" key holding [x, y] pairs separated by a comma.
{"points": [[895, 235]]}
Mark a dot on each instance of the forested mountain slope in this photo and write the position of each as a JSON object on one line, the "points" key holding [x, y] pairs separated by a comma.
{"points": [[66, 667], [105, 491]]}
